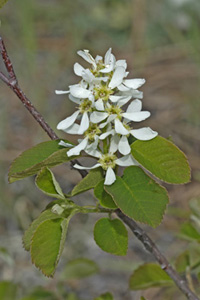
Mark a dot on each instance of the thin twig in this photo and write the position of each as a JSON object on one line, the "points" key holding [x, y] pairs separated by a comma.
{"points": [[149, 245], [161, 259]]}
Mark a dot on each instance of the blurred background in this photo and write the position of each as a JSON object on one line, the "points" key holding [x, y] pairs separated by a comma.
{"points": [[161, 42]]}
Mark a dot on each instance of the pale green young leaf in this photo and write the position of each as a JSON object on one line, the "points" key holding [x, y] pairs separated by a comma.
{"points": [[149, 275], [111, 236], [47, 154], [79, 268], [105, 296], [188, 232], [47, 244], [163, 159], [8, 290], [139, 196], [104, 198], [47, 183], [3, 2], [88, 182]]}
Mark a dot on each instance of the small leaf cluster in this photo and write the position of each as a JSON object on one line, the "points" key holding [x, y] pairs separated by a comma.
{"points": [[136, 193]]}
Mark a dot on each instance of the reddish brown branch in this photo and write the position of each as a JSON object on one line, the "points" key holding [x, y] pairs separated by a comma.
{"points": [[12, 82]]}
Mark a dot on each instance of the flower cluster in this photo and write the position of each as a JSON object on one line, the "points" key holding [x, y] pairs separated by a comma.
{"points": [[101, 95]]}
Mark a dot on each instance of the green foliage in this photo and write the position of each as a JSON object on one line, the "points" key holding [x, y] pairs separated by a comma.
{"points": [[182, 261], [8, 290], [89, 182], [141, 199], [45, 215], [106, 296], [188, 232], [3, 2], [149, 275], [47, 244], [80, 268], [47, 154], [40, 294], [163, 159], [47, 183], [111, 236], [195, 206], [104, 198]]}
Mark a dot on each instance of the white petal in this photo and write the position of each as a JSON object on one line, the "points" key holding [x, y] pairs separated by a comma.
{"points": [[73, 129], [123, 146], [117, 77], [87, 56], [119, 127], [61, 92], [99, 104], [88, 76], [93, 152], [66, 123], [107, 56], [79, 92], [77, 149], [84, 123], [124, 100], [136, 94], [137, 116], [115, 99], [134, 106], [97, 116], [121, 63], [110, 177], [106, 134], [99, 79], [74, 99], [98, 58], [86, 168], [126, 161], [144, 134], [62, 143], [123, 88], [134, 83], [114, 143], [78, 69]]}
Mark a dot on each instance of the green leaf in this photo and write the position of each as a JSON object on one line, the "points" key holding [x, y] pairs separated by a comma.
{"points": [[188, 232], [139, 196], [80, 268], [47, 154], [182, 262], [3, 2], [111, 236], [88, 182], [47, 183], [45, 215], [106, 296], [8, 290], [47, 244], [149, 275], [104, 198], [163, 159], [40, 294], [195, 206]]}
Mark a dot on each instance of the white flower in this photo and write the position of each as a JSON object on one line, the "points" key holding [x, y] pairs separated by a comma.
{"points": [[108, 162]]}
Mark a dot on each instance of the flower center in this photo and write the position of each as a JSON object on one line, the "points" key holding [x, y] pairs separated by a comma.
{"points": [[108, 161], [92, 131], [102, 92], [85, 106], [114, 110]]}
